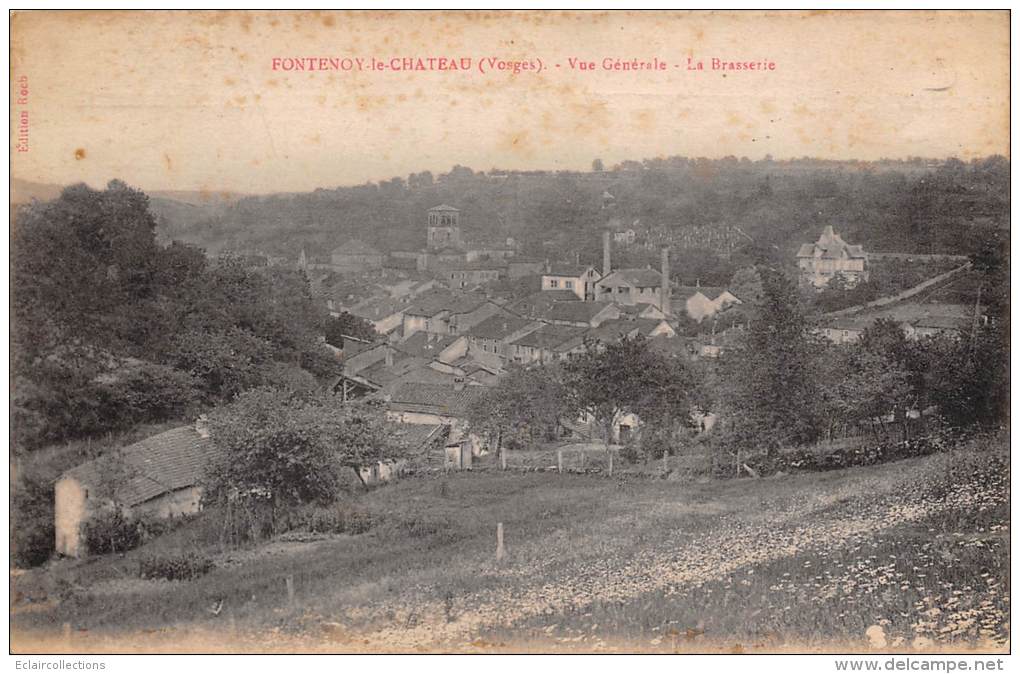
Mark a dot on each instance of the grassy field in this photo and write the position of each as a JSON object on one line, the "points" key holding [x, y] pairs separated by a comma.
{"points": [[912, 555]]}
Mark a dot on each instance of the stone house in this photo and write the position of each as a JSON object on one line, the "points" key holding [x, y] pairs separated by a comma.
{"points": [[702, 302], [579, 279], [492, 337], [159, 477], [355, 255]]}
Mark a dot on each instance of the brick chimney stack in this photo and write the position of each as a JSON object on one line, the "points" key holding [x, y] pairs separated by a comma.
{"points": [[665, 290], [606, 268]]}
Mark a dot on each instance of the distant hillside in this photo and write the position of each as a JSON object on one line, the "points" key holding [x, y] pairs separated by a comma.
{"points": [[699, 205], [915, 206], [23, 191], [177, 212]]}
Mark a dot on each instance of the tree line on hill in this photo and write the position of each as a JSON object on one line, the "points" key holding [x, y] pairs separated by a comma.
{"points": [[111, 329], [904, 206]]}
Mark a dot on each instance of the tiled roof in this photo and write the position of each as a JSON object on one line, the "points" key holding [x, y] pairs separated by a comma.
{"points": [[476, 265], [377, 308], [434, 302], [426, 345], [434, 399], [637, 278], [445, 207], [686, 292], [381, 374], [355, 247], [831, 246], [499, 326], [163, 463], [549, 336], [567, 270], [417, 436], [406, 263], [538, 303], [577, 311]]}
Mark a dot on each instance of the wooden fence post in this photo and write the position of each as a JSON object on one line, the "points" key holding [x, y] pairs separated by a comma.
{"points": [[500, 552], [559, 461], [502, 458], [610, 463], [290, 590]]}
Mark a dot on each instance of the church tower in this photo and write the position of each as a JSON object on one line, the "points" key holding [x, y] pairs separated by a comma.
{"points": [[444, 228]]}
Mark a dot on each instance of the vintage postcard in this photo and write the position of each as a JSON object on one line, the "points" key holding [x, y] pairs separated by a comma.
{"points": [[510, 332]]}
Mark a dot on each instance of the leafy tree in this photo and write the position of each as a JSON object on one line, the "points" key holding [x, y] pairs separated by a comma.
{"points": [[524, 406], [608, 380], [769, 387], [226, 362], [746, 286], [597, 166], [75, 257], [282, 448], [349, 325]]}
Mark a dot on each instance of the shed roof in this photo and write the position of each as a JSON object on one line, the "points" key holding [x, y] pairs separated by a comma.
{"points": [[163, 463], [500, 326], [567, 270], [577, 311], [433, 302], [445, 207], [549, 336], [434, 399], [426, 344], [638, 278]]}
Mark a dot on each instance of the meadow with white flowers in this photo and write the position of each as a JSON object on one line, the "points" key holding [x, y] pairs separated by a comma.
{"points": [[909, 556]]}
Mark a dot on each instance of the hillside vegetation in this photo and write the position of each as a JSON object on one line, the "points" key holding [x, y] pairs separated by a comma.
{"points": [[768, 206], [917, 548]]}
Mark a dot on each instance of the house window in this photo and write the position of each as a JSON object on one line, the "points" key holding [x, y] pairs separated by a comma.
{"points": [[554, 283], [622, 289], [569, 285]]}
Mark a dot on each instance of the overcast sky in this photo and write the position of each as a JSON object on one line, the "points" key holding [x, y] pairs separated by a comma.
{"points": [[188, 101]]}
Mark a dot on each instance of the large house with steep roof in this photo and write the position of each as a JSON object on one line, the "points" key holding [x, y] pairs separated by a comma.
{"points": [[829, 257]]}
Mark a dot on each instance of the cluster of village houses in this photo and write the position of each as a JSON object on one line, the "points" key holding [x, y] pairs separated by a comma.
{"points": [[444, 338]]}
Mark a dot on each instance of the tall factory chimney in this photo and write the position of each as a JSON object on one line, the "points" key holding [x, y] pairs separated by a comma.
{"points": [[606, 268], [665, 290]]}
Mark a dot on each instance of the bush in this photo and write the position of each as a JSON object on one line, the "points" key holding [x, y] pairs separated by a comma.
{"points": [[32, 521], [339, 518], [180, 566], [868, 454], [110, 531]]}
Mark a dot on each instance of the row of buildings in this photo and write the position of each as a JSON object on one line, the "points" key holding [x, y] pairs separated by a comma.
{"points": [[443, 341]]}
